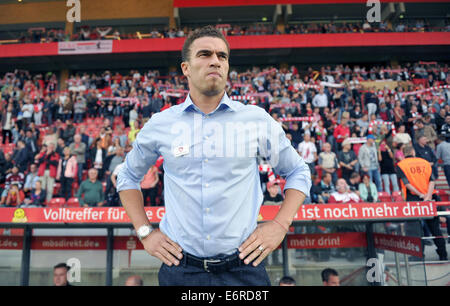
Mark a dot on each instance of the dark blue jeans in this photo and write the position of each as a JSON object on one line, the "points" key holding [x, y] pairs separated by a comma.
{"points": [[184, 275]]}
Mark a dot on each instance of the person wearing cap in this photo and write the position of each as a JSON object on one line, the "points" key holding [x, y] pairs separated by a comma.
{"points": [[272, 196], [368, 160]]}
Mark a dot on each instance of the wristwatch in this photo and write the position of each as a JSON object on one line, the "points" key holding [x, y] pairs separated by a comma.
{"points": [[144, 231]]}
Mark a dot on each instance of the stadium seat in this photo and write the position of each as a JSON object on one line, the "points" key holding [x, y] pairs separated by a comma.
{"points": [[56, 188], [443, 194], [56, 202], [397, 196], [73, 202], [383, 196]]}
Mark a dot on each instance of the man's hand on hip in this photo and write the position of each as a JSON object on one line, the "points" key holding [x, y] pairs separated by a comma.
{"points": [[266, 238], [162, 247]]}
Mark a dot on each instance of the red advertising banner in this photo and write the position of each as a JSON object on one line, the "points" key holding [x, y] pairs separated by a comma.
{"points": [[237, 42], [327, 241], [400, 244], [67, 243], [324, 212]]}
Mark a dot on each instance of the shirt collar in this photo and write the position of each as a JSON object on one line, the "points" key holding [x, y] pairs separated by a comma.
{"points": [[226, 102]]}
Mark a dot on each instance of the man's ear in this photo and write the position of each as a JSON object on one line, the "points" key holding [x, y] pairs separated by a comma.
{"points": [[185, 68]]}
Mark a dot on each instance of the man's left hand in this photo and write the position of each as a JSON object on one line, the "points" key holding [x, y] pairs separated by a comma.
{"points": [[268, 236]]}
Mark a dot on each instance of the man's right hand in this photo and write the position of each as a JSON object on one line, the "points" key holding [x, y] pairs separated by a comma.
{"points": [[162, 247]]}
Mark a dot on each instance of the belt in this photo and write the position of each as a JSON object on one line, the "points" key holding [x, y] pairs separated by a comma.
{"points": [[213, 265]]}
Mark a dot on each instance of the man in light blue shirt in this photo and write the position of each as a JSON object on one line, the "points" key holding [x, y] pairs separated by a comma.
{"points": [[212, 191]]}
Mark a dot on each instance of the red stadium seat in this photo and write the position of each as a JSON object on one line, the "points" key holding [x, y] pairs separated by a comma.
{"points": [[73, 202], [56, 188], [384, 196], [443, 194], [56, 202], [397, 196]]}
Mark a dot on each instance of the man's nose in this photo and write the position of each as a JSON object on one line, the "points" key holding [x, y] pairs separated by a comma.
{"points": [[215, 60]]}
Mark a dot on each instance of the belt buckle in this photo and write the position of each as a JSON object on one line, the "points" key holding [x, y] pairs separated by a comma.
{"points": [[208, 261]]}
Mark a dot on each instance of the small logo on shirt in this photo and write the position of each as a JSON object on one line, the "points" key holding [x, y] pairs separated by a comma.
{"points": [[181, 150]]}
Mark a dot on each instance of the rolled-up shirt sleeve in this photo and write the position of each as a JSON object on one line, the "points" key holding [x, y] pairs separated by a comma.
{"points": [[143, 155], [286, 161]]}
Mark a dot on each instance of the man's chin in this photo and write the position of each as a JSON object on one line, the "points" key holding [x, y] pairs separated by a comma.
{"points": [[212, 92]]}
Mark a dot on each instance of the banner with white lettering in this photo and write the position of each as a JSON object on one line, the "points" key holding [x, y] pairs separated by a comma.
{"points": [[85, 47], [310, 212]]}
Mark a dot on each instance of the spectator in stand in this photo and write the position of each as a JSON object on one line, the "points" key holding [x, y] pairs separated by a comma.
{"points": [[135, 128], [308, 151], [31, 179], [330, 277], [7, 124], [425, 130], [371, 100], [343, 194], [272, 195], [67, 171], [387, 170], [149, 186], [443, 153], [6, 165], [445, 129], [423, 150], [121, 135], [98, 157], [15, 197], [328, 161], [13, 178], [37, 196], [367, 190], [297, 134], [440, 119], [353, 182], [347, 159], [402, 136], [22, 156], [320, 100], [48, 161], [368, 160], [326, 188], [27, 112], [341, 132], [31, 141], [60, 146], [79, 149], [79, 109], [91, 192]]}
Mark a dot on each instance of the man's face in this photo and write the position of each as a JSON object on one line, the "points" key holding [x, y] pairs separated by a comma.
{"points": [[327, 179], [33, 168], [333, 280], [341, 186], [60, 276], [207, 67], [423, 140], [92, 175]]}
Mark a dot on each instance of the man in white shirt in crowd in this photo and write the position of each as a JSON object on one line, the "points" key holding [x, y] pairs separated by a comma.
{"points": [[308, 151]]}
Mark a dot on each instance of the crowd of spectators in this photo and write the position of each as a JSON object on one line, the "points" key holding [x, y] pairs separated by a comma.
{"points": [[71, 144], [41, 34]]}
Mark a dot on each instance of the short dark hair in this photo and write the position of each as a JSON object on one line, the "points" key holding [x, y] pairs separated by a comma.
{"points": [[287, 280], [206, 31], [326, 274], [354, 175], [61, 265]]}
